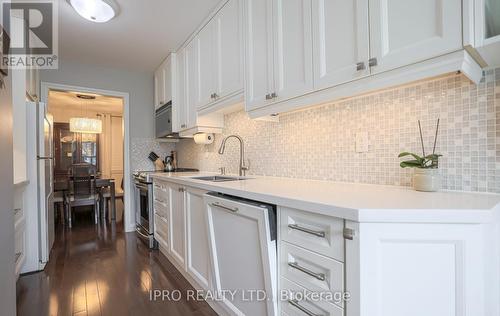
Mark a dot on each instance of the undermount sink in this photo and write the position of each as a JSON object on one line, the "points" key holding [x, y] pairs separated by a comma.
{"points": [[219, 178]]}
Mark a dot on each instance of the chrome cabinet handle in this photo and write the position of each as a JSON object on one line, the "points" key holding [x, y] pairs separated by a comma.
{"points": [[319, 276], [232, 209], [182, 189], [372, 62], [296, 304], [274, 95], [307, 230], [360, 66], [268, 97], [212, 96], [216, 95]]}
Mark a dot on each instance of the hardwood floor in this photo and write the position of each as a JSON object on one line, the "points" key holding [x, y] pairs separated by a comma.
{"points": [[100, 270]]}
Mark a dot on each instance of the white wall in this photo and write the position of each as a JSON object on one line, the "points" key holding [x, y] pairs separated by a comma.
{"points": [[7, 271], [138, 85]]}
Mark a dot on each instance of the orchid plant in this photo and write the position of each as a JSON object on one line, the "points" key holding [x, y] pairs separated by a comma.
{"points": [[424, 161]]}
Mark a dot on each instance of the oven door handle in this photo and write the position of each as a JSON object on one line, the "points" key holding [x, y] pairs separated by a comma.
{"points": [[138, 230]]}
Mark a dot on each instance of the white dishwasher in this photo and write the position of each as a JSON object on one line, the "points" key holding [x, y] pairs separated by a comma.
{"points": [[242, 236]]}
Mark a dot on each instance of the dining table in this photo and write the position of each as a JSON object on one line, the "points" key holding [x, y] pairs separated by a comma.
{"points": [[62, 184]]}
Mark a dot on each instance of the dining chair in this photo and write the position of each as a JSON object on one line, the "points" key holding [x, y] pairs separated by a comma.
{"points": [[106, 198], [82, 190]]}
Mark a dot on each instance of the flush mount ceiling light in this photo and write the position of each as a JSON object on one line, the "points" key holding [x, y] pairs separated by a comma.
{"points": [[98, 11]]}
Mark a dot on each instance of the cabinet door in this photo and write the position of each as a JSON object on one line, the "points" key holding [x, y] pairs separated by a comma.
{"points": [[259, 81], [243, 254], [340, 41], [179, 100], [167, 79], [229, 49], [191, 76], [293, 69], [198, 255], [177, 224], [205, 46], [403, 32], [157, 79]]}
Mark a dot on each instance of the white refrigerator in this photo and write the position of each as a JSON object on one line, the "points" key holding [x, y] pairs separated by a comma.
{"points": [[45, 157]]}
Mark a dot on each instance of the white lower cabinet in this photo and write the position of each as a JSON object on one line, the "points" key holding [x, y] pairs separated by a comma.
{"points": [[312, 271], [198, 254], [319, 233], [243, 253], [177, 224], [294, 301]]}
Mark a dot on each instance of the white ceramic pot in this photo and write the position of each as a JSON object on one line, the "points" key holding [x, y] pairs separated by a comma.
{"points": [[427, 180]]}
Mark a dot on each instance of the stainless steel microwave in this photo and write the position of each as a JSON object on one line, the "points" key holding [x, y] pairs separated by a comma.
{"points": [[163, 121]]}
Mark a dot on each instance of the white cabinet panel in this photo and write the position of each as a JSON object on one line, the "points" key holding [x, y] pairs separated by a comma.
{"points": [[258, 53], [191, 77], [340, 41], [297, 304], [242, 253], [293, 71], [179, 102], [403, 32], [229, 48], [177, 224], [198, 255], [312, 271], [205, 47], [420, 269], [323, 234]]}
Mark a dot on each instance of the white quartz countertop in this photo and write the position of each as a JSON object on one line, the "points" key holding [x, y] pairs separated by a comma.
{"points": [[354, 201]]}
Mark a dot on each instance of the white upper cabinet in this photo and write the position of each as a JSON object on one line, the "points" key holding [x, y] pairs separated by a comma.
{"points": [[293, 72], [163, 81], [403, 32], [229, 49], [258, 53], [340, 41], [205, 45], [484, 30], [220, 59], [191, 85], [278, 51]]}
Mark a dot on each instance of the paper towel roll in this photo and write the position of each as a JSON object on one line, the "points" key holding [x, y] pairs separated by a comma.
{"points": [[203, 138]]}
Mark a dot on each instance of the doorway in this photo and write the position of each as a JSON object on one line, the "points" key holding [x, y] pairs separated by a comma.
{"points": [[107, 150]]}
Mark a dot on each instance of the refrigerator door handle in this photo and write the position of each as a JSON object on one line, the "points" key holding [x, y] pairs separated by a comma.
{"points": [[43, 157]]}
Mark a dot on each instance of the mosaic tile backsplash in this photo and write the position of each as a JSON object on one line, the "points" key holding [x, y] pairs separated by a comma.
{"points": [[140, 149], [319, 143]]}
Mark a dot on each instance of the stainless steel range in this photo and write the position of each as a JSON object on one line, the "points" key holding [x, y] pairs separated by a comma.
{"points": [[144, 211]]}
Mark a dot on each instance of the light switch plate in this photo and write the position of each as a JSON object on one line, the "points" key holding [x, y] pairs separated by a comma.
{"points": [[362, 142]]}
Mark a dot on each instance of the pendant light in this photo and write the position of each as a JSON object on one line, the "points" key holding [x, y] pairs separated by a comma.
{"points": [[98, 11], [84, 124]]}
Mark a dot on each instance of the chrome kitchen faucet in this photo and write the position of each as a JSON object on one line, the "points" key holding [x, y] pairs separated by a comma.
{"points": [[243, 168]]}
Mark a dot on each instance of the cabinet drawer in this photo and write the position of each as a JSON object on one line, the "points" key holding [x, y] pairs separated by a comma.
{"points": [[161, 230], [312, 271], [160, 192], [319, 233], [161, 209], [294, 303]]}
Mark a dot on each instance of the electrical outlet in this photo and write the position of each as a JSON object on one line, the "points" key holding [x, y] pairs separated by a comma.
{"points": [[362, 142]]}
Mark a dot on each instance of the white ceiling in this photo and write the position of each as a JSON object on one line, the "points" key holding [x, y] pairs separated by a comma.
{"points": [[68, 101], [139, 38]]}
